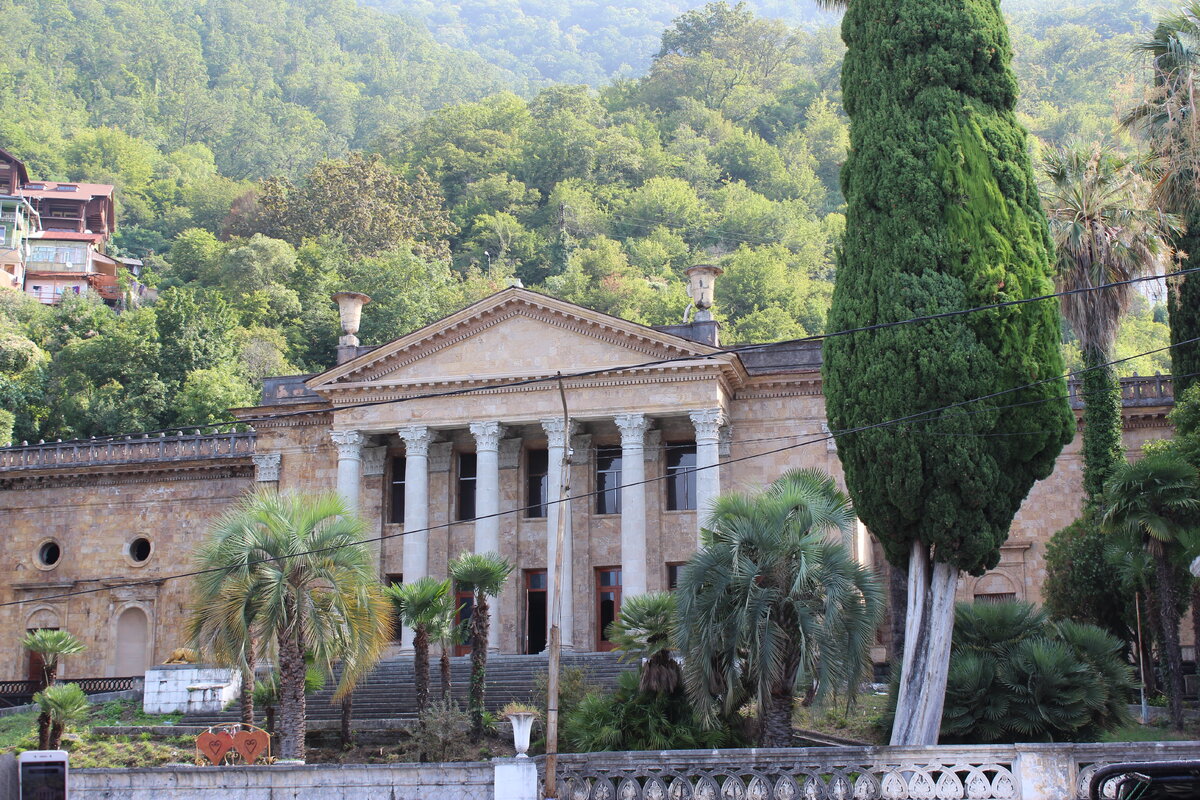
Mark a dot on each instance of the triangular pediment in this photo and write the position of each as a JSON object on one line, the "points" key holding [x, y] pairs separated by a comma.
{"points": [[510, 334]]}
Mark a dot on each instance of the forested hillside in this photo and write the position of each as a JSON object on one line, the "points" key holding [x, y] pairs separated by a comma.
{"points": [[267, 155]]}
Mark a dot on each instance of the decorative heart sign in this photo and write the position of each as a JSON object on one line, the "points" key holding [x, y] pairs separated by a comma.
{"points": [[250, 744], [214, 745]]}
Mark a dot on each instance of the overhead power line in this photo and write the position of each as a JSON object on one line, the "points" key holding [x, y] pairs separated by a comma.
{"points": [[834, 435]]}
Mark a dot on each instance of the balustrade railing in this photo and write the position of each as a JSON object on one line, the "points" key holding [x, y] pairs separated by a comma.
{"points": [[19, 693], [980, 772], [206, 443], [1137, 390]]}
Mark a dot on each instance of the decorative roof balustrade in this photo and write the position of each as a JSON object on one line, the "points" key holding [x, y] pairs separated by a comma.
{"points": [[209, 443], [1138, 390]]}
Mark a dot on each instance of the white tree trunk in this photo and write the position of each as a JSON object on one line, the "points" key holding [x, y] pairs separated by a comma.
{"points": [[927, 630]]}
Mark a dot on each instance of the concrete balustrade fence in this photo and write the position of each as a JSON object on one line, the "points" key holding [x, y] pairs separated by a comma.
{"points": [[985, 772]]}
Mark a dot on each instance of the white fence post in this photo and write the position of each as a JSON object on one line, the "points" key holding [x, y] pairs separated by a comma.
{"points": [[1044, 771]]}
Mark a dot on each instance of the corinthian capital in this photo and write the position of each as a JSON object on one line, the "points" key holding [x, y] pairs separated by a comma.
{"points": [[416, 439], [708, 423], [556, 431], [633, 430], [349, 443], [266, 466], [487, 435]]}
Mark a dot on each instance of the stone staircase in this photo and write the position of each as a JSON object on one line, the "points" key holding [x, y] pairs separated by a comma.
{"points": [[389, 691]]}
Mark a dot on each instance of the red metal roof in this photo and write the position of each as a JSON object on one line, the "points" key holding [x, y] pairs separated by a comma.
{"points": [[81, 191], [68, 236]]}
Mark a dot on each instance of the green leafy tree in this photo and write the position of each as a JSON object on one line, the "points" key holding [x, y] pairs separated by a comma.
{"points": [[421, 605], [771, 603], [942, 215], [296, 571], [1106, 230], [485, 575], [1153, 503]]}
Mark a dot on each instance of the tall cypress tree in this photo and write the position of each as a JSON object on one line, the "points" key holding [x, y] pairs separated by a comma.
{"points": [[943, 214], [1183, 305]]}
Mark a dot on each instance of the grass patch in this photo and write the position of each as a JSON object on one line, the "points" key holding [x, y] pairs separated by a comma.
{"points": [[129, 712], [1136, 732], [16, 728], [862, 721]]}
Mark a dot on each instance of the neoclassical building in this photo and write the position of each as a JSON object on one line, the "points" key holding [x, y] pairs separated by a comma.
{"points": [[450, 439]]}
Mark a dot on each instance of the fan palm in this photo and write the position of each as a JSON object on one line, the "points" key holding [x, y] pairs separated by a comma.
{"points": [[1153, 502], [63, 705], [485, 574], [298, 573], [421, 605], [51, 645], [643, 632], [771, 602], [1106, 230]]}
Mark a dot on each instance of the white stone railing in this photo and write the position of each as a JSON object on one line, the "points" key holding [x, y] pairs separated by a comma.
{"points": [[179, 446], [981, 772]]}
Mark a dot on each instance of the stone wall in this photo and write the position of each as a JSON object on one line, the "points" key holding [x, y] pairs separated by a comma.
{"points": [[465, 781], [175, 687]]}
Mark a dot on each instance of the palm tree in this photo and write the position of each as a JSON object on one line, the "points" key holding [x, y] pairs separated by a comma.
{"points": [[51, 645], [307, 583], [485, 573], [421, 605], [1173, 130], [643, 632], [221, 624], [1154, 502], [447, 633], [63, 705], [772, 602], [1106, 229]]}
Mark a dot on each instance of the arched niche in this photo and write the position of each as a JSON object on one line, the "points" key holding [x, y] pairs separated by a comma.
{"points": [[132, 652]]}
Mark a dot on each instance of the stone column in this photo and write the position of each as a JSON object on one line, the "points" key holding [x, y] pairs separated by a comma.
{"points": [[557, 437], [633, 503], [708, 479], [374, 465], [487, 500], [415, 563], [349, 447], [266, 468]]}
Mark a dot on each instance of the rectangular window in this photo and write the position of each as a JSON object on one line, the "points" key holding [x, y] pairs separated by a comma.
{"points": [[608, 480], [397, 489], [535, 610], [681, 476], [608, 603], [537, 469], [673, 572], [466, 486]]}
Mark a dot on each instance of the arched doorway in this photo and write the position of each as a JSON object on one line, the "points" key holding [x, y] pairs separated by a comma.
{"points": [[132, 637]]}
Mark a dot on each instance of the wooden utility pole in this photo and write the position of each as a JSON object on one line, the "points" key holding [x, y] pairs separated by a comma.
{"points": [[555, 644]]}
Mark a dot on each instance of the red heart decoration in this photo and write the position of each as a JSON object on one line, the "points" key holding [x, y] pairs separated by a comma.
{"points": [[214, 745], [250, 744]]}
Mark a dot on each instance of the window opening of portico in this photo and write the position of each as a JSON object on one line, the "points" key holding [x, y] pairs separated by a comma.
{"points": [[466, 486], [608, 480], [395, 579], [681, 476], [396, 502], [537, 471]]}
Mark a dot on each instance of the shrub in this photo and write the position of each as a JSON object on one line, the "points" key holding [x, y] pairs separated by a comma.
{"points": [[1017, 676]]}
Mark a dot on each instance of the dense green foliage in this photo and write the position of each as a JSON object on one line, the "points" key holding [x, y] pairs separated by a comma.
{"points": [[216, 126], [943, 214], [1079, 579], [1017, 677]]}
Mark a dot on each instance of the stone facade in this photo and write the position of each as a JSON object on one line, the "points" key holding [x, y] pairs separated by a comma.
{"points": [[465, 457]]}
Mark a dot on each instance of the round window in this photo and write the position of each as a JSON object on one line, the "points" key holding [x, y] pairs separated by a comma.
{"points": [[139, 549], [49, 554]]}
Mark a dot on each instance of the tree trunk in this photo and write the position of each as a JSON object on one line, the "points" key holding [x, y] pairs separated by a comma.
{"points": [[43, 731], [897, 606], [445, 664], [1169, 615], [1103, 450], [1196, 623], [248, 687], [776, 727], [292, 724], [347, 718], [421, 668], [929, 619], [56, 733], [479, 639]]}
